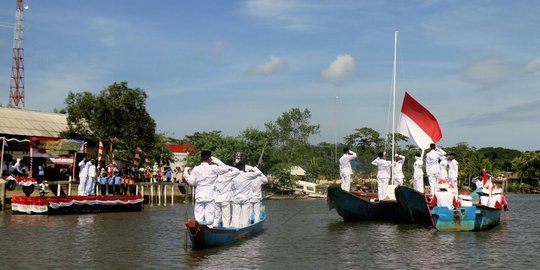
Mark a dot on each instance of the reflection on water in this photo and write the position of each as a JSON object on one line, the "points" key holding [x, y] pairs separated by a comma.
{"points": [[299, 234]]}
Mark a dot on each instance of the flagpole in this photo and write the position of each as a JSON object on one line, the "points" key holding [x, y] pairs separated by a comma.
{"points": [[2, 158], [394, 103]]}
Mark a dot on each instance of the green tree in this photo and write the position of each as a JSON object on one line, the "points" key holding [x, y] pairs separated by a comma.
{"points": [[528, 164], [367, 142], [223, 147], [290, 133], [117, 114]]}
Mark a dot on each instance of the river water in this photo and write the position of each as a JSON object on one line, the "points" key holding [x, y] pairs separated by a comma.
{"points": [[299, 234]]}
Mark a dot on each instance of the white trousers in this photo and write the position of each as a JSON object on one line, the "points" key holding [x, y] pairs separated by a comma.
{"points": [[90, 186], [222, 213], [82, 186], [256, 210], [382, 185], [418, 183], [346, 182], [204, 212], [398, 181], [240, 213], [433, 178]]}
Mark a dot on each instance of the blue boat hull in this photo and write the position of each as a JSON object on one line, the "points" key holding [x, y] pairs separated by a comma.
{"points": [[414, 203], [202, 236], [354, 208], [465, 219]]}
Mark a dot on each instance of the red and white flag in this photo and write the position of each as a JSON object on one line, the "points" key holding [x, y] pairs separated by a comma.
{"points": [[137, 158], [417, 122], [100, 152]]}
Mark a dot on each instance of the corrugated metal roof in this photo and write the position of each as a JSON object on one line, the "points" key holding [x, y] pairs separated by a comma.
{"points": [[31, 123]]}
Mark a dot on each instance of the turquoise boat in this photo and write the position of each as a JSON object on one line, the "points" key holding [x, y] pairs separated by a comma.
{"points": [[465, 219], [204, 236]]}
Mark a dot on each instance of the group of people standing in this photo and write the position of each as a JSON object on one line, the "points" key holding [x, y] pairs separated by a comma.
{"points": [[109, 179], [439, 165], [227, 196]]}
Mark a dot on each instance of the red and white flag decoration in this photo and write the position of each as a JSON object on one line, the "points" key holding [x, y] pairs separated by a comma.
{"points": [[137, 158], [417, 122], [100, 152]]}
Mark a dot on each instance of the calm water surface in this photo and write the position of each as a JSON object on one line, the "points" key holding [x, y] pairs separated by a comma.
{"points": [[300, 234]]}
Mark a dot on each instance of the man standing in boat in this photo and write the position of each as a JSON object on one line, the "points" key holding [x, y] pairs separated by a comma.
{"points": [[433, 169], [256, 195], [418, 174], [242, 194], [453, 167], [397, 167], [223, 200], [204, 177], [345, 169], [383, 174]]}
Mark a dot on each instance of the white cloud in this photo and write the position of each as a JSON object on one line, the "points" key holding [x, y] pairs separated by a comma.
{"points": [[490, 72], [341, 69], [274, 64], [291, 14], [533, 66]]}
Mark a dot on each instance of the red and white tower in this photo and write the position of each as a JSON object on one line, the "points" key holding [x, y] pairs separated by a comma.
{"points": [[16, 89]]}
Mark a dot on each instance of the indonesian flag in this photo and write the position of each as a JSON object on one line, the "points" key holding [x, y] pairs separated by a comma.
{"points": [[113, 160], [485, 180], [417, 122], [136, 159], [100, 152]]}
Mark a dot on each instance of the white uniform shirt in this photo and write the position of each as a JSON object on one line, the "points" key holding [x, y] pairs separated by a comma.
{"points": [[91, 169], [383, 167], [453, 169], [432, 161], [445, 198], [256, 188], [345, 168], [242, 184], [224, 184], [204, 177], [418, 164], [444, 168], [398, 167], [83, 172]]}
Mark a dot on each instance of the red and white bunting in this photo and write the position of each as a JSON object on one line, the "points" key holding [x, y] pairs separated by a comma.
{"points": [[100, 152], [136, 159]]}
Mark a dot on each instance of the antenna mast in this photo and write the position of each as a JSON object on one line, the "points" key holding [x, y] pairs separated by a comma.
{"points": [[16, 89]]}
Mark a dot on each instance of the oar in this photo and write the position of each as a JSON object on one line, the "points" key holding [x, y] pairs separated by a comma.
{"points": [[262, 154]]}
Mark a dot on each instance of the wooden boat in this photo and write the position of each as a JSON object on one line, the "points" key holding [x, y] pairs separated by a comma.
{"points": [[465, 219], [352, 207], [75, 204], [204, 236], [414, 203]]}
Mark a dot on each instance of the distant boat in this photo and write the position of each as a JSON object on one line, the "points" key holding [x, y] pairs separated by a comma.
{"points": [[465, 219], [352, 207], [203, 236], [414, 203]]}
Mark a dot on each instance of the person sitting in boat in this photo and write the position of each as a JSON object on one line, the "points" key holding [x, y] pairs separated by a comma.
{"points": [[433, 169], [223, 199], [418, 174], [383, 174], [242, 194], [397, 167], [465, 199], [345, 169], [443, 196], [204, 177], [256, 195]]}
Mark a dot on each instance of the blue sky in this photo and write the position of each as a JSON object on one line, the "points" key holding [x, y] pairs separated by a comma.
{"points": [[229, 65]]}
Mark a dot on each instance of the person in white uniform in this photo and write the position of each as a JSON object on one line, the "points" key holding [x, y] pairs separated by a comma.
{"points": [[433, 168], [91, 182], [242, 194], [204, 177], [443, 163], [223, 200], [256, 196], [453, 167], [83, 177], [443, 197], [345, 169], [418, 173], [397, 167], [383, 174]]}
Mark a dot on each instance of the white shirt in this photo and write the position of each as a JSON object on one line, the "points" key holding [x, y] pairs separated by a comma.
{"points": [[383, 167], [256, 188], [398, 167], [204, 177], [83, 172], [91, 169], [345, 168], [432, 160], [445, 198], [444, 168], [453, 169], [418, 172], [242, 184], [224, 184]]}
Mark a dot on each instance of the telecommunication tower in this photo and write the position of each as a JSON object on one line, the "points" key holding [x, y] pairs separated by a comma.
{"points": [[16, 89]]}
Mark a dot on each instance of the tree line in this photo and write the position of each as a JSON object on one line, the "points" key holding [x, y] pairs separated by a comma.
{"points": [[118, 114]]}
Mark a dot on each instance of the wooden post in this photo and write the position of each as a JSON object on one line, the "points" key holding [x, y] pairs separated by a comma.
{"points": [[151, 193], [69, 186], [2, 194], [164, 195], [172, 193]]}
